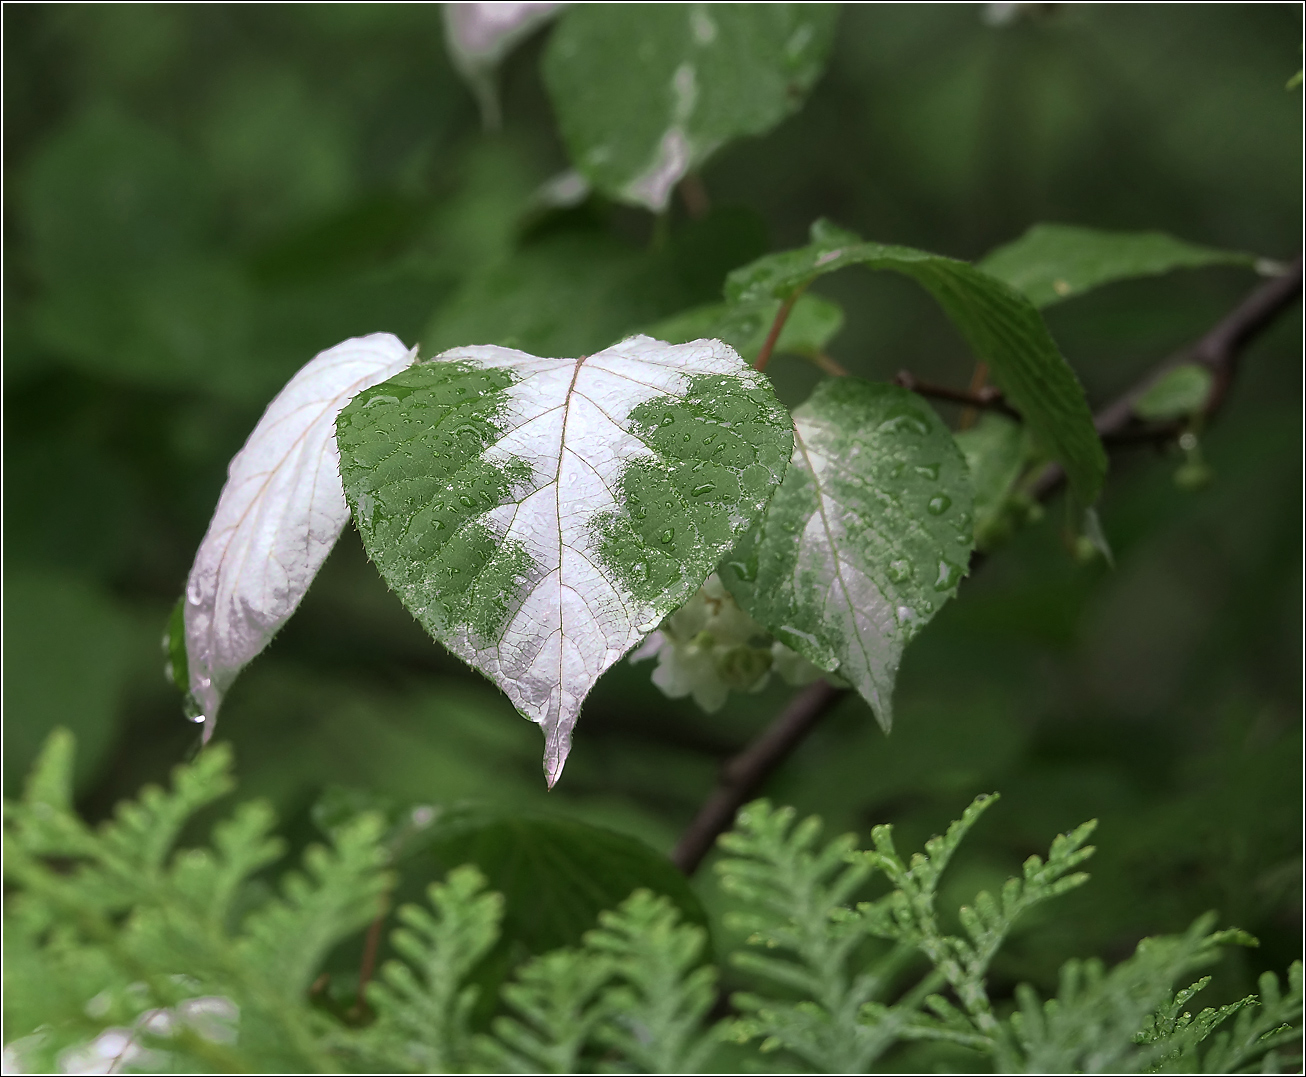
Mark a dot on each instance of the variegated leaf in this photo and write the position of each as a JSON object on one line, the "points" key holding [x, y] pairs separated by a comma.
{"points": [[278, 516], [541, 516], [869, 534]]}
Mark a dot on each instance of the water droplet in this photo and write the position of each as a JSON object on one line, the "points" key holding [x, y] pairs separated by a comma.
{"points": [[706, 488], [194, 593], [668, 419], [190, 707], [745, 570], [929, 471], [906, 615], [667, 535], [939, 505], [949, 574], [467, 501], [438, 525], [899, 571]]}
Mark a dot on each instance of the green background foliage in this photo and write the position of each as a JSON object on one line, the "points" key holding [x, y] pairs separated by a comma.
{"points": [[198, 199]]}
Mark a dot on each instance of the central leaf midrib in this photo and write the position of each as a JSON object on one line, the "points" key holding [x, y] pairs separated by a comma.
{"points": [[834, 548]]}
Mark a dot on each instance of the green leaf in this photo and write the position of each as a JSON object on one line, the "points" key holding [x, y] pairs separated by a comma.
{"points": [[541, 516], [811, 324], [868, 535], [1000, 324], [995, 453], [1177, 394], [556, 875], [1052, 262], [646, 92]]}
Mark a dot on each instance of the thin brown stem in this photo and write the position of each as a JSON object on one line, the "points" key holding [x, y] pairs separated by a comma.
{"points": [[694, 194], [744, 774], [988, 397], [1219, 350], [781, 316], [978, 382]]}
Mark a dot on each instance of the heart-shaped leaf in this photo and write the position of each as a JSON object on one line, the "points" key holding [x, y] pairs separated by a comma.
{"points": [[278, 516], [868, 535], [541, 516]]}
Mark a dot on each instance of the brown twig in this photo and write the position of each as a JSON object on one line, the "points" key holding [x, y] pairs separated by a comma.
{"points": [[744, 775], [1219, 350], [781, 316], [987, 397], [694, 194]]}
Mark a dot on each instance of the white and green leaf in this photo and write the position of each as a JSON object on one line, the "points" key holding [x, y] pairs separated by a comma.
{"points": [[278, 515], [1052, 262], [541, 516], [867, 537], [646, 92]]}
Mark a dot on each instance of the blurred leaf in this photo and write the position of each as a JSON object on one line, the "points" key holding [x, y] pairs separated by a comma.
{"points": [[868, 535], [1179, 393], [106, 195], [68, 651], [571, 294], [556, 875], [644, 93], [995, 456], [1052, 262], [1001, 326], [479, 36]]}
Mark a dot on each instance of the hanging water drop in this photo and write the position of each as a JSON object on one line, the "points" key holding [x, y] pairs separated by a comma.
{"points": [[949, 574]]}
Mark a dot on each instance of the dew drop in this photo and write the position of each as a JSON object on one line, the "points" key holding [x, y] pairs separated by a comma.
{"points": [[668, 419], [949, 574], [929, 471], [706, 488], [467, 501], [899, 571], [194, 593], [939, 505], [667, 535], [906, 615]]}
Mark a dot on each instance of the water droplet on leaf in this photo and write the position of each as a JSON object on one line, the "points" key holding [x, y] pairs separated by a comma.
{"points": [[667, 535], [706, 488], [899, 571], [949, 574], [939, 505]]}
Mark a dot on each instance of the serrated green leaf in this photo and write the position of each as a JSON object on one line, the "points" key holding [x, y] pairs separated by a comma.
{"points": [[1178, 393], [646, 92], [1000, 324], [1052, 262], [541, 516], [868, 535]]}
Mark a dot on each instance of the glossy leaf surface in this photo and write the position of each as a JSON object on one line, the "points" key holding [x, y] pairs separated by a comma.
{"points": [[868, 535], [1000, 324], [541, 516], [278, 516]]}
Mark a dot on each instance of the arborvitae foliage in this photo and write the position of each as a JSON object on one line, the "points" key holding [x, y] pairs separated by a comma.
{"points": [[134, 955]]}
